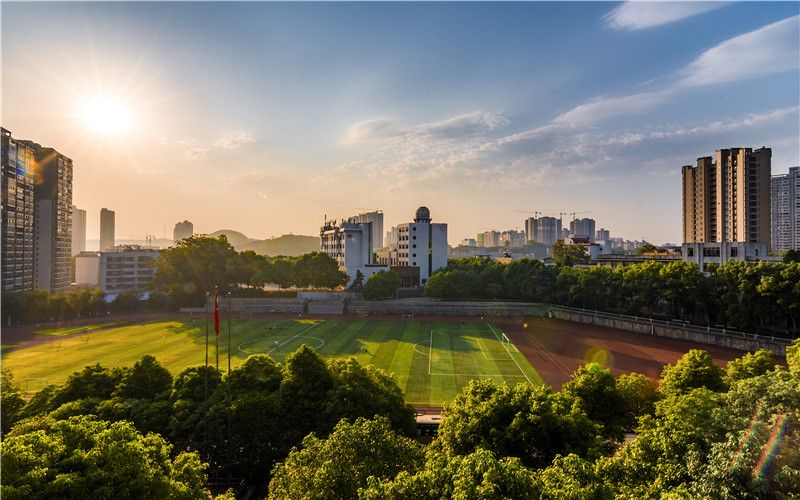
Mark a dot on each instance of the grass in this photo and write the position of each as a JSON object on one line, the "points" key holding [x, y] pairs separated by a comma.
{"points": [[69, 330], [431, 361]]}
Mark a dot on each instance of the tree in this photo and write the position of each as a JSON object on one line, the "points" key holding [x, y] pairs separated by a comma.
{"points": [[84, 457], [357, 285], [318, 269], [598, 396], [194, 267], [750, 365], [11, 401], [695, 369], [531, 423], [382, 284], [480, 474], [569, 255], [338, 466], [639, 396], [127, 300]]}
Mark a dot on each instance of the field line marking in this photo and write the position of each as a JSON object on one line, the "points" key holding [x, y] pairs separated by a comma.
{"points": [[430, 354], [280, 344], [509, 353], [557, 362], [484, 352]]}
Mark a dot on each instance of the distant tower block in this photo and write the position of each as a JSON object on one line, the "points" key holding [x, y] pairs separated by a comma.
{"points": [[107, 238], [182, 231]]}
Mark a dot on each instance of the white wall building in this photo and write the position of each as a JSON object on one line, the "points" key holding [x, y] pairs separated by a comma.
{"points": [[87, 269], [351, 245], [719, 252], [126, 267], [376, 218], [422, 244]]}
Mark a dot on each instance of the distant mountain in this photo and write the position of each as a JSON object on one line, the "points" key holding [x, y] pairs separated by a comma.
{"points": [[288, 244], [235, 238]]}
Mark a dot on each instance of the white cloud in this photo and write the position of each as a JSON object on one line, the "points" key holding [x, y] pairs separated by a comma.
{"points": [[236, 139], [642, 15], [196, 153], [603, 108], [772, 49], [386, 131]]}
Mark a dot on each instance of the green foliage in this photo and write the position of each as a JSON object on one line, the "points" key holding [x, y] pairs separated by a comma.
{"points": [[575, 478], [569, 255], [338, 466], [793, 357], [358, 282], [639, 395], [128, 300], [597, 395], [695, 369], [750, 365], [530, 423], [382, 284], [84, 457], [319, 270], [478, 475], [11, 401]]}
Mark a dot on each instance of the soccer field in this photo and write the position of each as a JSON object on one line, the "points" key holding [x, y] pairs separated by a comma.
{"points": [[431, 361]]}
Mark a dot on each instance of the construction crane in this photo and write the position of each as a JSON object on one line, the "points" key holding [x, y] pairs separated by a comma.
{"points": [[575, 213], [378, 210], [536, 214]]}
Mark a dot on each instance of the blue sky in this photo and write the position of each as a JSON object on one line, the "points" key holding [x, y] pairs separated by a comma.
{"points": [[264, 117]]}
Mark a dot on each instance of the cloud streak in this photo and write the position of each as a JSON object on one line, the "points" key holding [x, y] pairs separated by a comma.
{"points": [[643, 15], [775, 48]]}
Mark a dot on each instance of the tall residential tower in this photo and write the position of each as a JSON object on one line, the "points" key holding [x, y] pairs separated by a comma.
{"points": [[16, 254], [728, 200], [786, 211], [107, 238]]}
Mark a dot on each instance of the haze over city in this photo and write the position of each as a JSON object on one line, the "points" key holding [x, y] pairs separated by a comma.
{"points": [[264, 117]]}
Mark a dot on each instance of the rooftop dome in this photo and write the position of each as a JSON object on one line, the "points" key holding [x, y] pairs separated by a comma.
{"points": [[423, 215]]}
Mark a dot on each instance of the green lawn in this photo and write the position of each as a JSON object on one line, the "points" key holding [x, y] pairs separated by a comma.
{"points": [[428, 376], [69, 330]]}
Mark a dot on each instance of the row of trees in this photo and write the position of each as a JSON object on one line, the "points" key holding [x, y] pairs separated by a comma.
{"points": [[239, 423], [701, 432], [198, 265], [743, 295], [38, 306], [337, 430]]}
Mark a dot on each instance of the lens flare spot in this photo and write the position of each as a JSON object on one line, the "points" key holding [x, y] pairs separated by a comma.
{"points": [[525, 325], [600, 356], [190, 288]]}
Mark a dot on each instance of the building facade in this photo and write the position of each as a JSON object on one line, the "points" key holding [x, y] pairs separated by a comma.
{"points": [[87, 269], [351, 245], [786, 211], [127, 267], [543, 230], [376, 219], [52, 240], [422, 244], [728, 200], [582, 228], [182, 231], [78, 230], [18, 207], [107, 230]]}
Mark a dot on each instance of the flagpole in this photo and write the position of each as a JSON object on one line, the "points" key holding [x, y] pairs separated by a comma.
{"points": [[228, 447], [216, 323], [205, 418]]}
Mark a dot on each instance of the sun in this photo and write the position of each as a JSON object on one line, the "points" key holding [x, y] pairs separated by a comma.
{"points": [[106, 116]]}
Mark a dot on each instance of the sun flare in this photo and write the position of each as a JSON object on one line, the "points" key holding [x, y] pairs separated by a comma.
{"points": [[106, 116]]}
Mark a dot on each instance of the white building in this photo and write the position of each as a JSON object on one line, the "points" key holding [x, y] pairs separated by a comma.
{"points": [[785, 200], [126, 267], [376, 218], [719, 252], [78, 230], [422, 244], [351, 245], [87, 269]]}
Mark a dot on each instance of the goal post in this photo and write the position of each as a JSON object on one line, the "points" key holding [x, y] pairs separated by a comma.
{"points": [[407, 318], [507, 343]]}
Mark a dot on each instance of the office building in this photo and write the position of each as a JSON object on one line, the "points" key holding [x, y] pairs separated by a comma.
{"points": [[78, 230], [786, 211], [16, 254], [728, 200], [376, 218], [52, 220], [182, 231], [107, 235], [126, 267]]}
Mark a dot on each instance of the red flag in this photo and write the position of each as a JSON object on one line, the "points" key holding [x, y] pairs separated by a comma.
{"points": [[216, 314]]}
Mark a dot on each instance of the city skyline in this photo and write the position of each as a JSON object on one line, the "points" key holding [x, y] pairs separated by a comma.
{"points": [[265, 117]]}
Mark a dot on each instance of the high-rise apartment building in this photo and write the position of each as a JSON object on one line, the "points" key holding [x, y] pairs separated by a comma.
{"points": [[182, 231], [786, 211], [16, 254], [422, 244], [582, 227], [107, 237], [728, 200], [376, 218], [78, 230], [52, 241], [543, 230], [602, 235]]}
